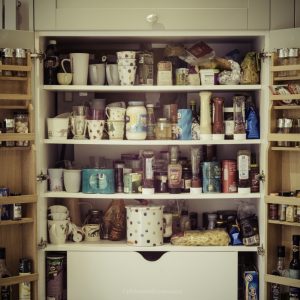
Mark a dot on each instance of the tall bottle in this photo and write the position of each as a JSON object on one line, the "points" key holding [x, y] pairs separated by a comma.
{"points": [[205, 117], [195, 121], [174, 172], [218, 118], [5, 291], [51, 63], [239, 117], [150, 122], [294, 267]]}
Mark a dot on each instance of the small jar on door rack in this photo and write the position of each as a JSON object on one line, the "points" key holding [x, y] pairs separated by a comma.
{"points": [[21, 126], [136, 121]]}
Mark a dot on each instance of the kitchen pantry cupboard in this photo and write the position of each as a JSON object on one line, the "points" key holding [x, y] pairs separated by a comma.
{"points": [[152, 15], [201, 262]]}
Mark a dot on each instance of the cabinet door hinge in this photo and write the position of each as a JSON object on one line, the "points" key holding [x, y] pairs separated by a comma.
{"points": [[38, 55], [263, 55], [262, 176], [261, 250], [42, 244], [42, 177]]}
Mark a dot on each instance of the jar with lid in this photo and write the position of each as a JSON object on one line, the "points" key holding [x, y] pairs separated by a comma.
{"points": [[20, 60], [95, 216], [150, 122], [283, 60], [161, 181], [163, 129], [292, 60], [136, 121], [212, 219], [21, 126], [7, 59], [186, 179]]}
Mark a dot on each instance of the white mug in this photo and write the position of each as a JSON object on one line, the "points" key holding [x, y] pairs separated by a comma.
{"points": [[56, 179], [127, 74], [58, 231], [112, 74], [91, 232], [115, 129], [72, 180], [115, 113], [79, 66], [97, 74], [95, 129]]}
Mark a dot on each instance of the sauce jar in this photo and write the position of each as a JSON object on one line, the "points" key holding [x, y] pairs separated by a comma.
{"points": [[136, 121], [163, 129]]}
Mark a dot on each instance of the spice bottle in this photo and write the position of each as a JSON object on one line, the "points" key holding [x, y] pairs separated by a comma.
{"points": [[148, 174], [150, 122], [243, 166], [218, 118], [174, 172], [239, 119], [119, 180], [283, 60], [20, 60], [292, 60], [7, 59]]}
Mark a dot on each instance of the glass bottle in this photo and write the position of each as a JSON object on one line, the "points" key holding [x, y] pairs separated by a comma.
{"points": [[7, 59], [148, 173], [119, 182], [5, 291], [186, 179], [243, 167], [238, 117], [150, 122], [283, 60], [51, 63], [25, 268], [294, 267], [174, 172], [218, 118], [280, 268], [195, 121], [20, 60]]}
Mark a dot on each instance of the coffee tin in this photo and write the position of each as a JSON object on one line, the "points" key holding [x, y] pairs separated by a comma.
{"points": [[229, 175], [98, 181]]}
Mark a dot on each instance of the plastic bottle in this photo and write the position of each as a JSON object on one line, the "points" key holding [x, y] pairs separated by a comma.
{"points": [[51, 63]]}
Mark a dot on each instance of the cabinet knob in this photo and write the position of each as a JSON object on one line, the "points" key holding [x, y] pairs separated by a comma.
{"points": [[152, 18]]}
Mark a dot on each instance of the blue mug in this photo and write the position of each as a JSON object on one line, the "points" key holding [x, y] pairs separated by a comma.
{"points": [[184, 124]]}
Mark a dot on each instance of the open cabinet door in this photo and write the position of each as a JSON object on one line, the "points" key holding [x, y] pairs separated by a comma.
{"points": [[18, 165], [283, 171]]}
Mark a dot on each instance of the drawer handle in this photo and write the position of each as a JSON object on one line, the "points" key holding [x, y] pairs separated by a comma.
{"points": [[152, 255], [152, 18]]}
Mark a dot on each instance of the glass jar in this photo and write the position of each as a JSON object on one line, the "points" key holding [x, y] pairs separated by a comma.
{"points": [[136, 121], [20, 60], [150, 122], [161, 182], [283, 60], [292, 60], [21, 126], [95, 216], [163, 129], [212, 219], [7, 59]]}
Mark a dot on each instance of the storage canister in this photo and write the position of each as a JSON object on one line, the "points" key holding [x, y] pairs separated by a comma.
{"points": [[144, 225], [211, 177], [136, 121], [98, 181]]}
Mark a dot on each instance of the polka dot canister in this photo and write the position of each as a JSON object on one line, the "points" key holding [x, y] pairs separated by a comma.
{"points": [[144, 225]]}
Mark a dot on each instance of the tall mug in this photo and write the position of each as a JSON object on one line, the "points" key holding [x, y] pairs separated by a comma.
{"points": [[80, 66]]}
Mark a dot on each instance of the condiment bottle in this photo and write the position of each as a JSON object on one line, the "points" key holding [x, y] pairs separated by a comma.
{"points": [[150, 122], [238, 116], [243, 166], [51, 63], [218, 118], [148, 174], [205, 118], [174, 172]]}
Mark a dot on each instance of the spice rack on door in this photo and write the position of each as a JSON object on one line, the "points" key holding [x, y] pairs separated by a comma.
{"points": [[19, 175], [283, 175]]}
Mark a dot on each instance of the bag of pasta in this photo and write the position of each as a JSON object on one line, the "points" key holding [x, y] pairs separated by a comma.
{"points": [[214, 237]]}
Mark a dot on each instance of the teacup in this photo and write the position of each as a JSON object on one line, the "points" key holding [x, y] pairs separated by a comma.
{"points": [[115, 113], [57, 209], [64, 78], [126, 54], [115, 129], [127, 74], [95, 129], [58, 231], [91, 232]]}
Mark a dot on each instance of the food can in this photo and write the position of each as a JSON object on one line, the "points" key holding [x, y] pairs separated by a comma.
{"points": [[273, 211], [132, 183], [229, 175], [211, 172], [145, 225]]}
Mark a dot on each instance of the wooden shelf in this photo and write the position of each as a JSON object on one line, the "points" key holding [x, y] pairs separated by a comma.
{"points": [[121, 246], [278, 137], [158, 196], [150, 142], [282, 200], [13, 97], [285, 68], [287, 78], [16, 222], [15, 68], [18, 279], [148, 88], [3, 148], [285, 97], [17, 136], [293, 149], [283, 223], [282, 280], [13, 78], [286, 107], [18, 199]]}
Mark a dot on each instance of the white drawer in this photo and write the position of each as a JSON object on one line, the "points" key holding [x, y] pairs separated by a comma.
{"points": [[175, 275]]}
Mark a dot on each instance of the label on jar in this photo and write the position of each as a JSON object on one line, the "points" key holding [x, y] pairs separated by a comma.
{"points": [[136, 123], [243, 166], [229, 127]]}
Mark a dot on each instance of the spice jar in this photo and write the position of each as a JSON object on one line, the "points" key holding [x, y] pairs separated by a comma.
{"points": [[283, 60], [7, 59], [212, 219], [163, 129], [292, 60], [161, 181], [21, 126], [186, 179], [20, 60]]}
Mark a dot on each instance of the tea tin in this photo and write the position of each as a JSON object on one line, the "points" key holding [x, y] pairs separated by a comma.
{"points": [[98, 181]]}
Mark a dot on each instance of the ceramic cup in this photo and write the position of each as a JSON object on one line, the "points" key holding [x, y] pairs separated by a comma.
{"points": [[58, 128], [126, 54], [91, 232], [126, 62], [95, 129], [79, 66], [64, 78], [115, 113], [97, 74], [57, 209], [58, 231], [115, 129], [112, 74], [127, 74], [56, 180], [72, 180]]}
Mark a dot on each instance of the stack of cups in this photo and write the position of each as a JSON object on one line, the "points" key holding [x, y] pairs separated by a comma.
{"points": [[78, 122], [96, 120], [115, 122], [127, 67]]}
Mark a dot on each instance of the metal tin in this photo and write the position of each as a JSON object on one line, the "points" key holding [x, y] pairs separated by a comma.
{"points": [[282, 212], [273, 211], [229, 175], [98, 181], [211, 172], [133, 183]]}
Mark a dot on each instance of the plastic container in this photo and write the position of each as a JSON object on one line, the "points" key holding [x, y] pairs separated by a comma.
{"points": [[136, 121]]}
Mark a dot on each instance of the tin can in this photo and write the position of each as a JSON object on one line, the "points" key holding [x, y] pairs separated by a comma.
{"points": [[132, 183], [273, 211], [211, 172], [55, 277], [229, 175], [281, 212]]}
